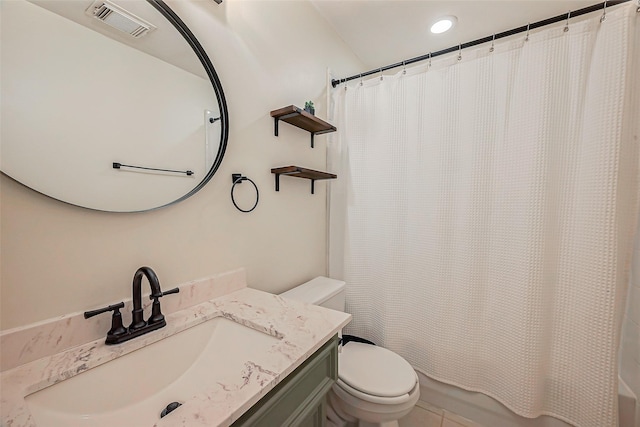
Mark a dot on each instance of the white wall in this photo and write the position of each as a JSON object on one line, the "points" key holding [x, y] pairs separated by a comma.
{"points": [[630, 347], [57, 259]]}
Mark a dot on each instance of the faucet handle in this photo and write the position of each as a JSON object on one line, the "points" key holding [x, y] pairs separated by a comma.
{"points": [[156, 314], [117, 328], [114, 308], [161, 294]]}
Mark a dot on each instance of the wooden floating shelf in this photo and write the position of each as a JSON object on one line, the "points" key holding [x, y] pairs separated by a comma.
{"points": [[298, 117], [298, 172]]}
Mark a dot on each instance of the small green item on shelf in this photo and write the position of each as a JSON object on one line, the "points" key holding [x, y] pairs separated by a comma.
{"points": [[309, 108]]}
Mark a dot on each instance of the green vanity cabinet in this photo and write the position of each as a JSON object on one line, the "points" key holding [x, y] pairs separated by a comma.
{"points": [[300, 399]]}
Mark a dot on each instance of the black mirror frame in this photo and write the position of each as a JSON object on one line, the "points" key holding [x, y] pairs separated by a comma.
{"points": [[191, 39]]}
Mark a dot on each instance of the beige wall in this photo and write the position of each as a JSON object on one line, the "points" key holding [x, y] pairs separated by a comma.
{"points": [[57, 259]]}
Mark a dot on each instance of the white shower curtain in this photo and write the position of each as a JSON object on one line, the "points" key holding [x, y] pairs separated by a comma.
{"points": [[484, 212]]}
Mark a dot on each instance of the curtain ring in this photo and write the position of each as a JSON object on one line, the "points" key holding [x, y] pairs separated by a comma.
{"points": [[360, 79], [459, 51], [429, 66], [566, 25], [604, 12], [527, 38], [491, 49], [381, 78], [404, 67]]}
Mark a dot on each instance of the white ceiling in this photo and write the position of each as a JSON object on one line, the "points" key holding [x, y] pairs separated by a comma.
{"points": [[383, 32], [379, 32]]}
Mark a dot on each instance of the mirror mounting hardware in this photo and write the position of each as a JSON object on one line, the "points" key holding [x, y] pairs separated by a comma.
{"points": [[118, 333]]}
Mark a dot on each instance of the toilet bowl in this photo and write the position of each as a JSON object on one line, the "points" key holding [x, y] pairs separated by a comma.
{"points": [[375, 386]]}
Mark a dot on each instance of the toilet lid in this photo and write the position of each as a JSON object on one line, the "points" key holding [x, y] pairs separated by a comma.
{"points": [[375, 370]]}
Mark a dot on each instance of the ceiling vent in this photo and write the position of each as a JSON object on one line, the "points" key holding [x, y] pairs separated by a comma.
{"points": [[120, 19]]}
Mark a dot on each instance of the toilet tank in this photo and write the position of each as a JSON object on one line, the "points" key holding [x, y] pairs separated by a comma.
{"points": [[322, 291]]}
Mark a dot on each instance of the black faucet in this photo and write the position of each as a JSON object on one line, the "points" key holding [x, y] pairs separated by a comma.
{"points": [[118, 333]]}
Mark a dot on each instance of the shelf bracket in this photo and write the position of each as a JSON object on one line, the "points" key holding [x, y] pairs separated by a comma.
{"points": [[312, 133], [275, 126], [313, 182], [299, 172]]}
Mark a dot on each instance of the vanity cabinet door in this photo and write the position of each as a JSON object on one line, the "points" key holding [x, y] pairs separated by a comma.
{"points": [[299, 400], [314, 416]]}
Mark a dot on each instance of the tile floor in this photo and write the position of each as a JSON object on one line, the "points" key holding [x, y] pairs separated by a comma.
{"points": [[425, 415]]}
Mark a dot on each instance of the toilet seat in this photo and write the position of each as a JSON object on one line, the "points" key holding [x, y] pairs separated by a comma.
{"points": [[375, 374]]}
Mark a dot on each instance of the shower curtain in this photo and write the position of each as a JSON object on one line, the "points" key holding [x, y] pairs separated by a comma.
{"points": [[484, 212]]}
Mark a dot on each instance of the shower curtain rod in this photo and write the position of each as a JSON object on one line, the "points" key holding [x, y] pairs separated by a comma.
{"points": [[524, 28]]}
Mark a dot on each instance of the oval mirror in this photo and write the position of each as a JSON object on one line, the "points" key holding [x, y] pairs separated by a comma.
{"points": [[105, 105]]}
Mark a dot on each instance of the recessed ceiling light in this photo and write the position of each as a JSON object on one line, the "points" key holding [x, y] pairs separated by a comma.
{"points": [[444, 24]]}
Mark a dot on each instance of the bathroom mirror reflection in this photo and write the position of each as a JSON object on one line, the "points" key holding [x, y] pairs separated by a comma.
{"points": [[79, 95]]}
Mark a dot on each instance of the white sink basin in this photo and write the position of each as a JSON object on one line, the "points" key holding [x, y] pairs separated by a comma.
{"points": [[133, 389]]}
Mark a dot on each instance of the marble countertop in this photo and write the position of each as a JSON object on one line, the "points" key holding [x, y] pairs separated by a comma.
{"points": [[301, 328]]}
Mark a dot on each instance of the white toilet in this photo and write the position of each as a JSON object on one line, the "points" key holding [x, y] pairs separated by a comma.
{"points": [[375, 386]]}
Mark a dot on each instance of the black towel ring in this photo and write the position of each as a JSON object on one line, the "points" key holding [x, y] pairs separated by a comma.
{"points": [[237, 179]]}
